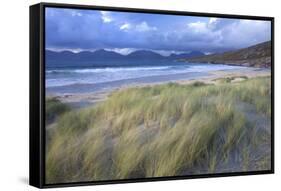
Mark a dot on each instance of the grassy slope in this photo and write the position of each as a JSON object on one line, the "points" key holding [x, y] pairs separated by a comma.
{"points": [[258, 56], [164, 130]]}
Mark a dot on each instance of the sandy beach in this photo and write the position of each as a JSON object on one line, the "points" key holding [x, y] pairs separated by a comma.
{"points": [[81, 100]]}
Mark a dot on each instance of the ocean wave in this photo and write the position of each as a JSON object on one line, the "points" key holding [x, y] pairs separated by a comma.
{"points": [[109, 69], [65, 77]]}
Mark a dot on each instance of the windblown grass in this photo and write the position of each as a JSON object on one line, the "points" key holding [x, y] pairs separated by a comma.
{"points": [[164, 130]]}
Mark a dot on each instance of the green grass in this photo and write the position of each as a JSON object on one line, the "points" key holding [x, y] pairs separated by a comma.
{"points": [[163, 130]]}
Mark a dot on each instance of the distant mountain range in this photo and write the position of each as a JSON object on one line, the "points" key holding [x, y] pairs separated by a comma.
{"points": [[107, 58], [258, 55]]}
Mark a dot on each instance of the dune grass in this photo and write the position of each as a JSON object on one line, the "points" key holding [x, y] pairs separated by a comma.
{"points": [[164, 130]]}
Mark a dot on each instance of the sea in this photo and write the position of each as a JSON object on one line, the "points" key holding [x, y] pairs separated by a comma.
{"points": [[85, 79]]}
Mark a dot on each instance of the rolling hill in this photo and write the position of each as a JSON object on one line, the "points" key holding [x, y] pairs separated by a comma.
{"points": [[258, 55]]}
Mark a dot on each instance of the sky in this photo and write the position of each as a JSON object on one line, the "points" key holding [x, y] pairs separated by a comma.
{"points": [[123, 32]]}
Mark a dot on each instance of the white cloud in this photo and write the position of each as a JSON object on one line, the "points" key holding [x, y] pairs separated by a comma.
{"points": [[125, 26], [126, 51], [76, 14], [228, 33], [213, 23], [249, 32], [123, 51], [143, 27], [74, 50], [202, 34], [106, 17], [198, 27], [208, 53], [213, 20], [204, 27], [168, 52]]}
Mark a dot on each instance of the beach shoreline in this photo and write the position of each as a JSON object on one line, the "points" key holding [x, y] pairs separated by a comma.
{"points": [[82, 100]]}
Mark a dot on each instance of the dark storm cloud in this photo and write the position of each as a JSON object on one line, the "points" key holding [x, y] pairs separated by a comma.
{"points": [[89, 29]]}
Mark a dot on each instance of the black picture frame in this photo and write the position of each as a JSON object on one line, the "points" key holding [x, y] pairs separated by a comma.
{"points": [[37, 94]]}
